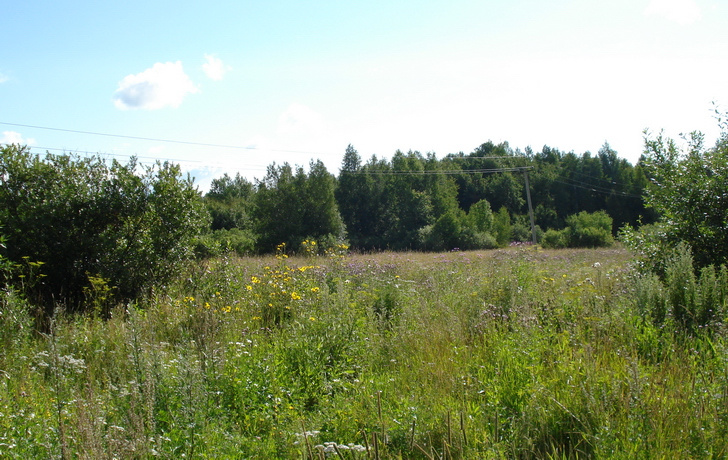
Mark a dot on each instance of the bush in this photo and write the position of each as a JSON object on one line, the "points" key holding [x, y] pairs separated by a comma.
{"points": [[691, 301], [584, 230], [73, 219], [477, 240], [690, 192], [555, 239], [590, 230], [219, 242]]}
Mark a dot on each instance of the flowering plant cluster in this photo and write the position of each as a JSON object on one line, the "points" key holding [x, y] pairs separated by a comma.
{"points": [[268, 296]]}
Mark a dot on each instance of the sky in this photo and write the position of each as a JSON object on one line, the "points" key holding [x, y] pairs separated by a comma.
{"points": [[234, 86]]}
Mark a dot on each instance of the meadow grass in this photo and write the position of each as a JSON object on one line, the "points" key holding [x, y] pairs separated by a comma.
{"points": [[512, 353]]}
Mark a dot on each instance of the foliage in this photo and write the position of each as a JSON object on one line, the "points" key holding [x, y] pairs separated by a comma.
{"points": [[480, 216], [396, 204], [688, 301], [555, 239], [229, 202], [293, 206], [513, 353], [219, 242], [502, 227], [584, 230], [81, 218], [650, 246], [689, 190], [590, 230]]}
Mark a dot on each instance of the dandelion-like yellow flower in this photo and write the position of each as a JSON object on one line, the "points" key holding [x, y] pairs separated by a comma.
{"points": [[249, 287], [295, 296]]}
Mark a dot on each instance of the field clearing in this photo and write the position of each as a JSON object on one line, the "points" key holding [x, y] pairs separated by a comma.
{"points": [[512, 353]]}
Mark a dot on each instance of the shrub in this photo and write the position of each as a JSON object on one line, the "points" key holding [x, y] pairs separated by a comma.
{"points": [[555, 239], [590, 230], [690, 192], [584, 230], [81, 218], [219, 242], [692, 301]]}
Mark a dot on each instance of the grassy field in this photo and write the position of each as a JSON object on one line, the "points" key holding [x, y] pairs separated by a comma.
{"points": [[513, 353]]}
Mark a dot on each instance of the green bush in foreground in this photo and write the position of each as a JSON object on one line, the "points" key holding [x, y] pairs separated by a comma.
{"points": [[70, 220], [689, 190]]}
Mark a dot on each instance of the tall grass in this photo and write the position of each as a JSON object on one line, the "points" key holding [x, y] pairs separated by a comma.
{"points": [[518, 353]]}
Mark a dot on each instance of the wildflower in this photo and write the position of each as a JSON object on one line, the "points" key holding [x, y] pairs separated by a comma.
{"points": [[311, 318], [249, 287], [295, 296], [315, 289]]}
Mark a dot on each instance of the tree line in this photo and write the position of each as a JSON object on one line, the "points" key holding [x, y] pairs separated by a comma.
{"points": [[419, 202]]}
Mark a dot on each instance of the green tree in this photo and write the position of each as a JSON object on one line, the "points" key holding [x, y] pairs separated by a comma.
{"points": [[229, 202], [82, 218], [502, 227], [291, 207], [481, 217], [689, 190]]}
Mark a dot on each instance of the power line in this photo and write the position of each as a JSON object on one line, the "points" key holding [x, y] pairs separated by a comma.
{"points": [[102, 155], [596, 189], [151, 158], [171, 141]]}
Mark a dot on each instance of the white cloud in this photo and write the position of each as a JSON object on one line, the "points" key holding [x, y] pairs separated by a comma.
{"points": [[214, 68], [300, 120], [12, 137], [683, 12], [162, 85], [3, 78]]}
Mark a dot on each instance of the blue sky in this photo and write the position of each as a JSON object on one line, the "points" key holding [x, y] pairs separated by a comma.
{"points": [[300, 80]]}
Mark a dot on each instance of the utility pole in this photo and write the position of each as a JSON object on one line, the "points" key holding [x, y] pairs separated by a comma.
{"points": [[530, 207]]}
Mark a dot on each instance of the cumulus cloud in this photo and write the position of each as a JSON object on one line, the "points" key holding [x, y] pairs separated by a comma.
{"points": [[214, 68], [683, 12], [162, 85], [12, 137], [299, 119]]}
